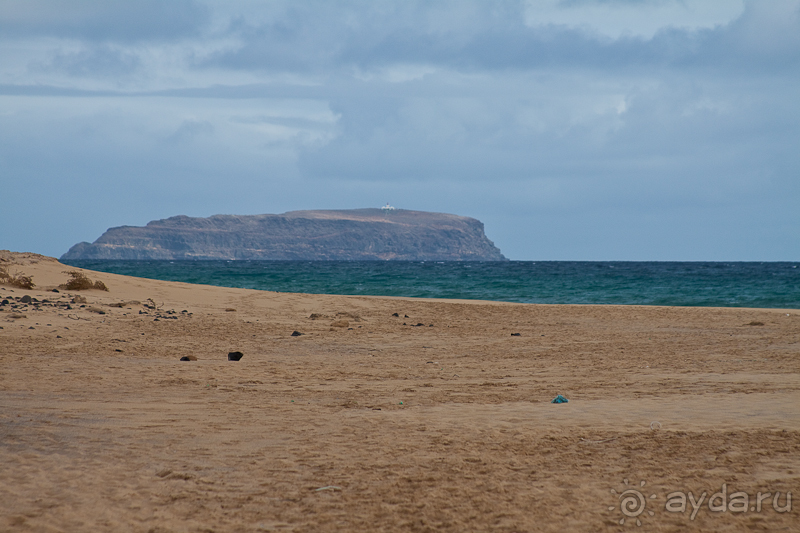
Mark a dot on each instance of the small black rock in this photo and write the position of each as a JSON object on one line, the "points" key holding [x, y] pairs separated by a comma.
{"points": [[297, 333], [26, 299], [395, 314], [516, 334], [54, 290], [234, 356]]}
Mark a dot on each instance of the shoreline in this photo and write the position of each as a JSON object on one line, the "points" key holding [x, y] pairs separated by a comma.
{"points": [[706, 286], [365, 423], [99, 274]]}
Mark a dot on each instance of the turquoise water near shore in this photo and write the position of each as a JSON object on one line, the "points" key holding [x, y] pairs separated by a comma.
{"points": [[717, 284]]}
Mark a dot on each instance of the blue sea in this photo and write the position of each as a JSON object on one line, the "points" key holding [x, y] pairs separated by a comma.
{"points": [[715, 284]]}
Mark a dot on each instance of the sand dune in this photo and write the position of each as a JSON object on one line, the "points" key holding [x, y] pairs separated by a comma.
{"points": [[367, 422]]}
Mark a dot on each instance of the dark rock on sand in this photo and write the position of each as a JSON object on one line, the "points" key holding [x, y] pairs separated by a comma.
{"points": [[516, 334], [297, 333], [192, 358], [26, 299], [234, 356]]}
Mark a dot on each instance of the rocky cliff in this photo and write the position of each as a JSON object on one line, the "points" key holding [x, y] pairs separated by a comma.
{"points": [[351, 235]]}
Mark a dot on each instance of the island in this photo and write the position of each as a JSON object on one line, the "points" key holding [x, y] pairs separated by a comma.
{"points": [[343, 235]]}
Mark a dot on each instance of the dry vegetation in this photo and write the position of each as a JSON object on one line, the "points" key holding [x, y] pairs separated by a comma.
{"points": [[15, 280], [80, 282]]}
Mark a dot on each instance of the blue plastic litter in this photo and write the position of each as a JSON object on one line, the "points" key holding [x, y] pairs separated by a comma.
{"points": [[559, 399]]}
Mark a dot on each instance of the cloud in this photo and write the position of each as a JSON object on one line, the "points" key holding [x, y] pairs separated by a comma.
{"points": [[108, 21], [568, 127], [192, 44], [632, 18], [394, 39], [102, 61]]}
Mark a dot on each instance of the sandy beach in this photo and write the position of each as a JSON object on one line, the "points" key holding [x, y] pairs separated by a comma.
{"points": [[387, 414]]}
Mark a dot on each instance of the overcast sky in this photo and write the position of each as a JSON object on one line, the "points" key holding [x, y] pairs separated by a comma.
{"points": [[574, 129]]}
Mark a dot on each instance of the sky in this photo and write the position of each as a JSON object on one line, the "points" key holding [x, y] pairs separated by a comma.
{"points": [[642, 130]]}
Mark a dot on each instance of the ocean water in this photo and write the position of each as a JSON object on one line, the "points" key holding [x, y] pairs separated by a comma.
{"points": [[716, 284]]}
